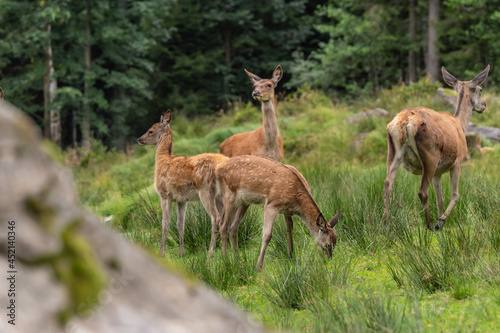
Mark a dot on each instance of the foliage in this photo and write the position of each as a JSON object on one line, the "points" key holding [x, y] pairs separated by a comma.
{"points": [[147, 56], [364, 38]]}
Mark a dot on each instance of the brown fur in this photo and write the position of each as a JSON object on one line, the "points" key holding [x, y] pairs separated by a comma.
{"points": [[431, 143], [181, 179], [266, 140], [247, 180], [252, 143], [1, 94]]}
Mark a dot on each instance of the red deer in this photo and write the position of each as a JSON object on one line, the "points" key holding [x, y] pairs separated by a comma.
{"points": [[265, 140], [246, 180], [431, 143], [182, 179]]}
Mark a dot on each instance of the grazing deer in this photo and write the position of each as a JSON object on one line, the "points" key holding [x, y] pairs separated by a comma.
{"points": [[265, 140], [182, 179], [431, 143], [246, 180]]}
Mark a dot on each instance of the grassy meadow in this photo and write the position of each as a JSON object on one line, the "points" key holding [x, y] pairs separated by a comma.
{"points": [[397, 277]]}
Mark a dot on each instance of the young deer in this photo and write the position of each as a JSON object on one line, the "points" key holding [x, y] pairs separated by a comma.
{"points": [[246, 180], [431, 143], [182, 179], [265, 140]]}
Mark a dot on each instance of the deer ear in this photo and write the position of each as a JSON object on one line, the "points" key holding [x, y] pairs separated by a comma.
{"points": [[166, 118], [481, 77], [253, 78], [321, 222], [333, 222], [448, 78], [277, 74]]}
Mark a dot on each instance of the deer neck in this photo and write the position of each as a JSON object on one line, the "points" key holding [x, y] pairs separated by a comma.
{"points": [[165, 146], [270, 124], [463, 113], [309, 215]]}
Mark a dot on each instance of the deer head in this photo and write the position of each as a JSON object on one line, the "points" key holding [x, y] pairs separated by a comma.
{"points": [[469, 89], [327, 239], [153, 135], [263, 89]]}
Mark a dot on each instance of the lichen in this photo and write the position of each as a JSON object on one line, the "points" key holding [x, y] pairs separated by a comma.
{"points": [[80, 271], [450, 92]]}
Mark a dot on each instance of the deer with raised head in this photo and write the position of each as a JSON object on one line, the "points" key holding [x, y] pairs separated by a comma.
{"points": [[431, 143], [182, 179], [246, 180], [265, 140]]}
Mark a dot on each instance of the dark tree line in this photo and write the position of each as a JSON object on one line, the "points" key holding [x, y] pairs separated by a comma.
{"points": [[106, 68]]}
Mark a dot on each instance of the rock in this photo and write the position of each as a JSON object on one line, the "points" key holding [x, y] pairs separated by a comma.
{"points": [[490, 133], [473, 144], [378, 112], [359, 139], [75, 275]]}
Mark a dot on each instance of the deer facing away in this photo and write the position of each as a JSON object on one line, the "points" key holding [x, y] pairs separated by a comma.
{"points": [[265, 140], [182, 179], [431, 143], [246, 180]]}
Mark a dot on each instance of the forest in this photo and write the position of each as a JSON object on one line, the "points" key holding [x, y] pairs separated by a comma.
{"points": [[104, 69], [96, 75]]}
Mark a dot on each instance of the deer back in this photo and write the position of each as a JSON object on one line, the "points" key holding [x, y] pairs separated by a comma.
{"points": [[257, 179], [252, 143], [178, 173]]}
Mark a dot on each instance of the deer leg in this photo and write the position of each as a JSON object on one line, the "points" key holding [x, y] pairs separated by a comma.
{"points": [[270, 214], [289, 230], [438, 189], [233, 228], [209, 203], [455, 179], [219, 204], [393, 163], [181, 215], [229, 209], [429, 165], [166, 207]]}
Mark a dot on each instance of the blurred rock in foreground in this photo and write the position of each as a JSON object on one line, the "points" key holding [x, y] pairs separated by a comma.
{"points": [[74, 274]]}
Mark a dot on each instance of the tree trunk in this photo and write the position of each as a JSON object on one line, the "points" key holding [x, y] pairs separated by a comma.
{"points": [[52, 117], [73, 130], [227, 60], [413, 36], [87, 83], [432, 48]]}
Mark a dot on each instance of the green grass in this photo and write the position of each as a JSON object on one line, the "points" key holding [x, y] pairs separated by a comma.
{"points": [[396, 277]]}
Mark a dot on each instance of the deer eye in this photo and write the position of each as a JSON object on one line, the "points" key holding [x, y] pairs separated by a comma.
{"points": [[150, 132], [269, 85]]}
